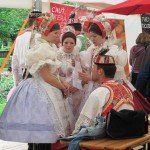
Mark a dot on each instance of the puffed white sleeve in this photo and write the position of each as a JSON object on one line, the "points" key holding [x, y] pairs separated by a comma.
{"points": [[40, 55]]}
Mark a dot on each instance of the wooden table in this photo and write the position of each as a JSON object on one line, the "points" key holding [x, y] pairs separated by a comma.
{"points": [[109, 144]]}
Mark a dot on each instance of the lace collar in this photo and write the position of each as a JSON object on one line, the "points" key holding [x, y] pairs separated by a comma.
{"points": [[67, 54]]}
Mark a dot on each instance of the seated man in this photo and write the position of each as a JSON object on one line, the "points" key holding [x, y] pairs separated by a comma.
{"points": [[110, 95]]}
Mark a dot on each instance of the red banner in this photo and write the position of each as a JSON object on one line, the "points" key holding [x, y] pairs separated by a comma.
{"points": [[61, 12]]}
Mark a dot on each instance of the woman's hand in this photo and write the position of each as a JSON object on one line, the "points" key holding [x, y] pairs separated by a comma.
{"points": [[65, 84], [85, 77], [65, 89], [72, 89], [65, 92]]}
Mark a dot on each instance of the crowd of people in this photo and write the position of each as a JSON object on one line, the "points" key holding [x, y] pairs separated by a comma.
{"points": [[65, 77]]}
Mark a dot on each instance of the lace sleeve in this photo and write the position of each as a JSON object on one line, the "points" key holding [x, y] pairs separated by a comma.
{"points": [[82, 120], [15, 70]]}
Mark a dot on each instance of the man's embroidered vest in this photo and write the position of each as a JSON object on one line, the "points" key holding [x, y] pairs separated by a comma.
{"points": [[119, 95]]}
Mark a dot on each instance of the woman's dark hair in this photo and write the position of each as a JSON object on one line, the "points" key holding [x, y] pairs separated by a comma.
{"points": [[55, 27], [30, 22], [68, 35], [32, 17], [76, 26], [109, 70], [95, 28]]}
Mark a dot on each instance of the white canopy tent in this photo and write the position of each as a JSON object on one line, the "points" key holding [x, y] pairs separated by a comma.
{"points": [[16, 4], [28, 3]]}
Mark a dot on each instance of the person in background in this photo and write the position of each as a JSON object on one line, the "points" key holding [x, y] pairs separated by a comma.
{"points": [[85, 36], [136, 55], [81, 38], [110, 94], [143, 79], [36, 112], [22, 45]]}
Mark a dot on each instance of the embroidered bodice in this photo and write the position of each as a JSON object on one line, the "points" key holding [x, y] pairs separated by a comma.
{"points": [[67, 68]]}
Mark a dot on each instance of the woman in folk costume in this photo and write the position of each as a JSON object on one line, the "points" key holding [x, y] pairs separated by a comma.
{"points": [[107, 43], [65, 29], [37, 111], [86, 22], [110, 95], [99, 31], [114, 46], [70, 62], [97, 35], [82, 39]]}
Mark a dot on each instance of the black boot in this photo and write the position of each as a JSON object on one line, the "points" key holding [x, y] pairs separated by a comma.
{"points": [[30, 146], [42, 146]]}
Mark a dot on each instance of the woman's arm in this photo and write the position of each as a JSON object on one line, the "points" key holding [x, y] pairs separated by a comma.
{"points": [[45, 73], [85, 77], [15, 70]]}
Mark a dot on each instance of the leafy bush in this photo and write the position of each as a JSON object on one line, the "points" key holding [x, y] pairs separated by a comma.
{"points": [[6, 83], [1, 61], [5, 48], [11, 19], [8, 64]]}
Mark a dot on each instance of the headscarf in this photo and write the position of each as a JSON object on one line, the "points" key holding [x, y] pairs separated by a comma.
{"points": [[47, 24]]}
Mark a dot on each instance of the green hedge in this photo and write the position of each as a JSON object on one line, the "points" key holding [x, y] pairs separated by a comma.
{"points": [[6, 83]]}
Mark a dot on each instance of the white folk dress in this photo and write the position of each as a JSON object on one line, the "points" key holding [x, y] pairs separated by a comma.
{"points": [[66, 72], [36, 112]]}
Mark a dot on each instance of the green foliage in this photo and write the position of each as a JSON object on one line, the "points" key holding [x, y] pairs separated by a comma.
{"points": [[6, 84], [8, 64], [1, 61], [68, 2], [6, 48], [11, 19]]}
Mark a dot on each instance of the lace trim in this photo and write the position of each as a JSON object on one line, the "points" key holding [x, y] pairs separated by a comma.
{"points": [[59, 129], [83, 120], [17, 76]]}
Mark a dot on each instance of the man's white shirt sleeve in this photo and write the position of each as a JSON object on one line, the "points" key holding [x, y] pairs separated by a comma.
{"points": [[95, 102]]}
